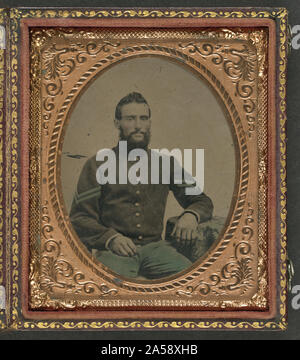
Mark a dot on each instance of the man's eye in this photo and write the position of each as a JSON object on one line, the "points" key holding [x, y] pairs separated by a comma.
{"points": [[144, 118]]}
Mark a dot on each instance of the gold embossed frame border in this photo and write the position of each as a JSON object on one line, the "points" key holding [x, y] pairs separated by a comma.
{"points": [[258, 80], [59, 281]]}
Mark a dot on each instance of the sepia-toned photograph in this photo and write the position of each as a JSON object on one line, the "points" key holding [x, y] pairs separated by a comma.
{"points": [[152, 227], [150, 189], [145, 168]]}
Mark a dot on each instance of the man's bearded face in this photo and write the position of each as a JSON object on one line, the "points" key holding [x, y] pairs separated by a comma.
{"points": [[135, 124]]}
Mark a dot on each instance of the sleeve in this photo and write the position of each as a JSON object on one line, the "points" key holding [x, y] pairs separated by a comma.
{"points": [[199, 205], [85, 210]]}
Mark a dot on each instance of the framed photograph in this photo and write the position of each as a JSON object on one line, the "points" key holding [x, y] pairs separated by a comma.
{"points": [[143, 173]]}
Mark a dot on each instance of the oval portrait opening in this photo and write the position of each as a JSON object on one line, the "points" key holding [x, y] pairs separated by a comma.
{"points": [[148, 168]]}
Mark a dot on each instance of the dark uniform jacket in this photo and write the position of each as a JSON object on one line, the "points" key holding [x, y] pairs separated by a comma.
{"points": [[100, 212]]}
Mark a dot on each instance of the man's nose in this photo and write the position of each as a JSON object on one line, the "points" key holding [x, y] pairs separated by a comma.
{"points": [[138, 123]]}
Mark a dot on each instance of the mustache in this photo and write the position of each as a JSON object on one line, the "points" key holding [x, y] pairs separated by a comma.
{"points": [[138, 132], [130, 137]]}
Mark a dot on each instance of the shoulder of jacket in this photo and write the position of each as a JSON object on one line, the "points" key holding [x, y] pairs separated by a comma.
{"points": [[90, 165]]}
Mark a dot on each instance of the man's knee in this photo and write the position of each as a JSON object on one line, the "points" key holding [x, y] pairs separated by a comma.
{"points": [[163, 260], [126, 266]]}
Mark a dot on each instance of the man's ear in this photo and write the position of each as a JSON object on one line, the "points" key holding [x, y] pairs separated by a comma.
{"points": [[117, 123]]}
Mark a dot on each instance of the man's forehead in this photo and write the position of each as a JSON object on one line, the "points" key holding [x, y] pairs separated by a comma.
{"points": [[135, 109]]}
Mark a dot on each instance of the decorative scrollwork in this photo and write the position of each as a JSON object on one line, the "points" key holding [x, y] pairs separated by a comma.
{"points": [[57, 274], [90, 287], [240, 67], [205, 50], [237, 274], [243, 67], [60, 61], [242, 273], [55, 65]]}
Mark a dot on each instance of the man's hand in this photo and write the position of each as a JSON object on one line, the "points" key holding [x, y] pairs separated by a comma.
{"points": [[122, 246], [185, 229]]}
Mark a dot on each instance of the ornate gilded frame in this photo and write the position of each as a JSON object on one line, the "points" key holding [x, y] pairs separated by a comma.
{"points": [[27, 302]]}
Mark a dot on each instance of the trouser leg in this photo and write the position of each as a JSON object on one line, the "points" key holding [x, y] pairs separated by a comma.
{"points": [[127, 266], [160, 259]]}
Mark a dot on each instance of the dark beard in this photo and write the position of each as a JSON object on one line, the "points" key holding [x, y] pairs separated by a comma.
{"points": [[131, 144]]}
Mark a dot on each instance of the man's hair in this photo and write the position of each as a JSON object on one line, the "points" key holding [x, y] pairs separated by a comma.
{"points": [[133, 97]]}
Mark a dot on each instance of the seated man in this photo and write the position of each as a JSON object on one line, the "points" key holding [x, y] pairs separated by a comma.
{"points": [[124, 221]]}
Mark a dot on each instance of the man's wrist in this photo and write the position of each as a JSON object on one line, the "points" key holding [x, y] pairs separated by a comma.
{"points": [[109, 241], [197, 216]]}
